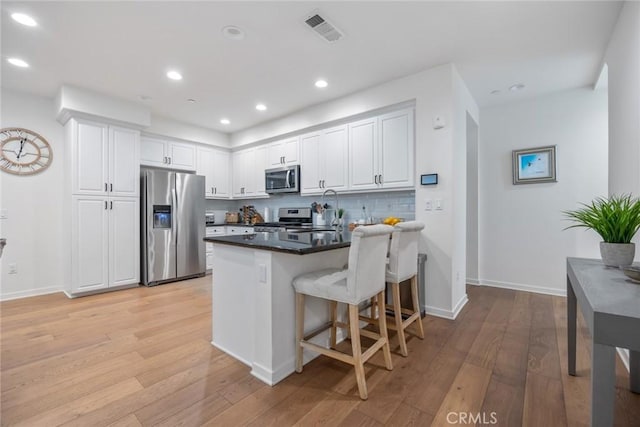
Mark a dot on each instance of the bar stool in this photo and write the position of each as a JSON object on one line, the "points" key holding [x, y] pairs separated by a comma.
{"points": [[363, 279], [403, 256]]}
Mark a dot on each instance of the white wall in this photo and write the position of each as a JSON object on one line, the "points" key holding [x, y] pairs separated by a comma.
{"points": [[521, 237], [163, 126], [472, 201], [34, 205], [623, 61]]}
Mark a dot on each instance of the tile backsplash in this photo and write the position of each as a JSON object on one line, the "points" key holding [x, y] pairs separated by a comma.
{"points": [[378, 205]]}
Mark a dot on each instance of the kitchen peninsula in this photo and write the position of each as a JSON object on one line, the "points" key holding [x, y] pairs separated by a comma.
{"points": [[253, 311]]}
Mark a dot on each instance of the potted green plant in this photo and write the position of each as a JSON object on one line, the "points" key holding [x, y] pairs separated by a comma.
{"points": [[616, 219]]}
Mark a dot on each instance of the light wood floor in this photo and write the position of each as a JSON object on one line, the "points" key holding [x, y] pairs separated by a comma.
{"points": [[143, 357]]}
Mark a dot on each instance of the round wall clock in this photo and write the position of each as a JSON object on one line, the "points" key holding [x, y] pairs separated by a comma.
{"points": [[23, 152]]}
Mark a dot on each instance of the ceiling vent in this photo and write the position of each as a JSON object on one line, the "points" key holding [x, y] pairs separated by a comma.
{"points": [[323, 28]]}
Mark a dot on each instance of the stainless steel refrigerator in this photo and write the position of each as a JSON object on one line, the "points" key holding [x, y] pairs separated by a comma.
{"points": [[173, 226]]}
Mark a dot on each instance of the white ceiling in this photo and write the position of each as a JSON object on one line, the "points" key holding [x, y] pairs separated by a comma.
{"points": [[125, 49]]}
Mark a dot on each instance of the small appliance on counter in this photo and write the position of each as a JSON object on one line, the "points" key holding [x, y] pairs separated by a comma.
{"points": [[232, 217], [173, 226]]}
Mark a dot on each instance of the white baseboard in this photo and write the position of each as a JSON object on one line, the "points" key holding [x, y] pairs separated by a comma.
{"points": [[30, 293], [232, 354], [475, 282], [447, 314], [523, 287], [624, 355]]}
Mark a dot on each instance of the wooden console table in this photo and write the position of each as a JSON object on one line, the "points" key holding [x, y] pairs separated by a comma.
{"points": [[610, 305]]}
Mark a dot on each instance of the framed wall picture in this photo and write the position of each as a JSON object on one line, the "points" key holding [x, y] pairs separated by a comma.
{"points": [[534, 165]]}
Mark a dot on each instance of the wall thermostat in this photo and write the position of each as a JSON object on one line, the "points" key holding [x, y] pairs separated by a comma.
{"points": [[429, 179]]}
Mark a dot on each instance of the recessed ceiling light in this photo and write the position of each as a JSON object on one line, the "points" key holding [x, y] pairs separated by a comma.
{"points": [[261, 107], [225, 121], [191, 101], [516, 87], [322, 83], [144, 98], [174, 75], [24, 19], [495, 92], [232, 32], [18, 62]]}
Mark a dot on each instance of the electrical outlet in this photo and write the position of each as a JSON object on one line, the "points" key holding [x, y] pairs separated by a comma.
{"points": [[4, 214], [428, 205], [13, 268]]}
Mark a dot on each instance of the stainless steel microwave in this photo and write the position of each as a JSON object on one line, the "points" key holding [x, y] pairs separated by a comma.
{"points": [[282, 180]]}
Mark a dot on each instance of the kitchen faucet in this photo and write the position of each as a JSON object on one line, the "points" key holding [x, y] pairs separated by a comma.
{"points": [[335, 217]]}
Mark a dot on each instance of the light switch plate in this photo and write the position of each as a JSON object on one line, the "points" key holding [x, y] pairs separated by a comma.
{"points": [[438, 203]]}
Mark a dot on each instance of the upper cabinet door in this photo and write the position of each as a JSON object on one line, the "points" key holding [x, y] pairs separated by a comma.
{"points": [[124, 162], [363, 154], [310, 175], [221, 187], [153, 152], [396, 149], [334, 155], [205, 167], [284, 152], [89, 158], [182, 156], [260, 162]]}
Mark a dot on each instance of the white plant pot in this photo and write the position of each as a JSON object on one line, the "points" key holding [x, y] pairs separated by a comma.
{"points": [[617, 254]]}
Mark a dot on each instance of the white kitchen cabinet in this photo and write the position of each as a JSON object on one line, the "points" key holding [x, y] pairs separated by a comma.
{"points": [[248, 173], [214, 166], [167, 154], [283, 153], [381, 152], [363, 154], [103, 159], [260, 160], [105, 241], [324, 160], [396, 145], [243, 176]]}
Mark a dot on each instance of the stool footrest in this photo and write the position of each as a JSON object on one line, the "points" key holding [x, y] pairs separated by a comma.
{"points": [[320, 329], [328, 352]]}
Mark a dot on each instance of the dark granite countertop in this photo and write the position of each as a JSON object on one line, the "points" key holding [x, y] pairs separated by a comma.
{"points": [[299, 243]]}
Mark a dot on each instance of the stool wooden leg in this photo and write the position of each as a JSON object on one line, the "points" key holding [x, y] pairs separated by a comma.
{"points": [[373, 307], [334, 319], [416, 306], [299, 330], [382, 325], [354, 325], [397, 311]]}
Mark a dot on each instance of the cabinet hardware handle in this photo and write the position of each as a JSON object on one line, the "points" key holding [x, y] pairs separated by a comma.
{"points": [[105, 204], [111, 187], [111, 207], [323, 186], [319, 183], [164, 159], [215, 190], [105, 187], [169, 159], [375, 179], [380, 179]]}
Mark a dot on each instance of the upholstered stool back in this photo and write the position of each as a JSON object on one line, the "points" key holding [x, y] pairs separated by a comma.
{"points": [[403, 252]]}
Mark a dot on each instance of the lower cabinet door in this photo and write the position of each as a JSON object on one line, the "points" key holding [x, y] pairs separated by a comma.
{"points": [[89, 243], [124, 241]]}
